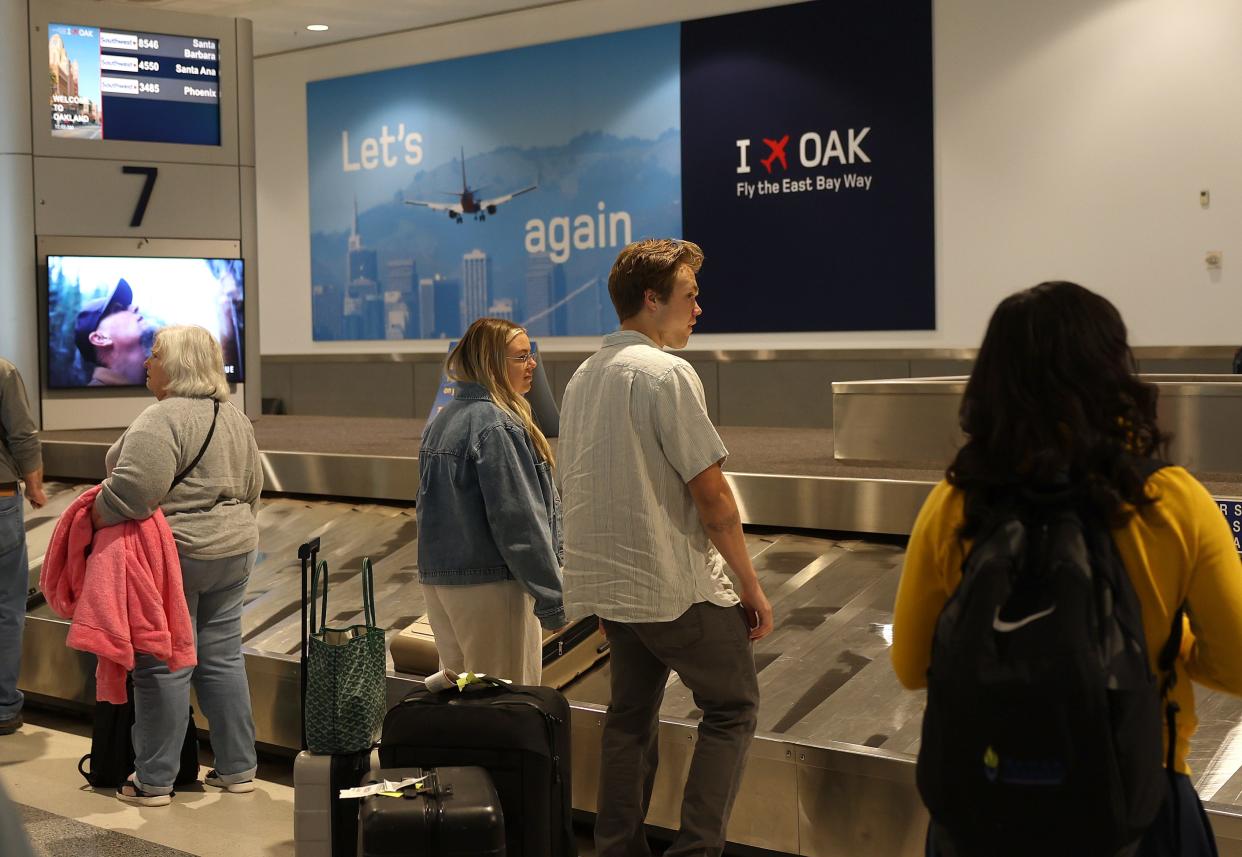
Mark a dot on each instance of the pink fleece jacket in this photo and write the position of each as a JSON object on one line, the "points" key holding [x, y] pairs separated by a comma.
{"points": [[121, 589]]}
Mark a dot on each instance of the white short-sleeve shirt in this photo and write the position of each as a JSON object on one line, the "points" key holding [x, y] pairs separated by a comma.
{"points": [[634, 430]]}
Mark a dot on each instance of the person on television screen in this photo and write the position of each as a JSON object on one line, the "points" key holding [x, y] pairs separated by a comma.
{"points": [[112, 337]]}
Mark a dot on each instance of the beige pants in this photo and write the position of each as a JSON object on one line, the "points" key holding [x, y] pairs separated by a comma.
{"points": [[487, 628]]}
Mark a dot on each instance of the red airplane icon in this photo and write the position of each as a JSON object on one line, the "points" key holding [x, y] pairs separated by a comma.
{"points": [[777, 149]]}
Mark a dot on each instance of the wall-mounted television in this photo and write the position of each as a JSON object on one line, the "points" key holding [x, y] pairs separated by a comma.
{"points": [[110, 84], [103, 313]]}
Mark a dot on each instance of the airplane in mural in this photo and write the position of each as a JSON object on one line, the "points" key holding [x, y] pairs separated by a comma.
{"points": [[467, 202]]}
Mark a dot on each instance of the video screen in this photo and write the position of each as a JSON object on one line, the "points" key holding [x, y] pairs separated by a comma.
{"points": [[118, 85], [104, 312]]}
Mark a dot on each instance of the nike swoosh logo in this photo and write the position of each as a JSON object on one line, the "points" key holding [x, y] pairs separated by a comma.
{"points": [[1004, 627]]}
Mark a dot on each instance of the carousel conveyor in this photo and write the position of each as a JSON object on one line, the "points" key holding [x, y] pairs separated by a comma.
{"points": [[831, 771], [782, 477]]}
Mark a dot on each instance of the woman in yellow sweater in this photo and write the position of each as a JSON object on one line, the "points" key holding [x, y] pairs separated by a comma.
{"points": [[1053, 393]]}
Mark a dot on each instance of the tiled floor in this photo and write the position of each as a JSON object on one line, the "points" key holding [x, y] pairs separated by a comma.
{"points": [[65, 818], [38, 767]]}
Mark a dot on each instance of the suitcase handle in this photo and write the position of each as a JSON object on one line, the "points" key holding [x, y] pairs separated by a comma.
{"points": [[308, 553]]}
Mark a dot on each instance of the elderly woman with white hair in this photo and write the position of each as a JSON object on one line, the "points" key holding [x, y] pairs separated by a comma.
{"points": [[193, 455]]}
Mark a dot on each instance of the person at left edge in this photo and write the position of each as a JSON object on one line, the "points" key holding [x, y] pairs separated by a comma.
{"points": [[21, 457], [212, 515]]}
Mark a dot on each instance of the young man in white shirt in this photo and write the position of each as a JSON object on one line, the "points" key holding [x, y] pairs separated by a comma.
{"points": [[650, 522]]}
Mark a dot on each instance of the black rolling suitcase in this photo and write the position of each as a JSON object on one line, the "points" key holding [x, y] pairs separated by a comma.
{"points": [[520, 735], [453, 812]]}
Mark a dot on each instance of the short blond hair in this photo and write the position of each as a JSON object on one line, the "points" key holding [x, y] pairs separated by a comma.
{"points": [[649, 264], [193, 361]]}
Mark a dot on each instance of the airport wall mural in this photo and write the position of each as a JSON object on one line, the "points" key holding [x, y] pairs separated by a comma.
{"points": [[794, 144]]}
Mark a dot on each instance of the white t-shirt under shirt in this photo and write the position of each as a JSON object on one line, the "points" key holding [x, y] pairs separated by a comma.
{"points": [[634, 430]]}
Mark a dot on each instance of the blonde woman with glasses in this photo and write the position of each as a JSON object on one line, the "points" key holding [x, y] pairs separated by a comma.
{"points": [[489, 546]]}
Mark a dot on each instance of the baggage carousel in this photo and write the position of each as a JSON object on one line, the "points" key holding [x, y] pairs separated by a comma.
{"points": [[831, 772]]}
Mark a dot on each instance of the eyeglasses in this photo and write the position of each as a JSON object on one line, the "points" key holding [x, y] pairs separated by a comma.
{"points": [[521, 358]]}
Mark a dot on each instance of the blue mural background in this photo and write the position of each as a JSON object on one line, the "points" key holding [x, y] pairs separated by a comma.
{"points": [[794, 144], [593, 123]]}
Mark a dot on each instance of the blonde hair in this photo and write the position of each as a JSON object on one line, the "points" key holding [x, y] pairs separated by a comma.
{"points": [[480, 358], [193, 361]]}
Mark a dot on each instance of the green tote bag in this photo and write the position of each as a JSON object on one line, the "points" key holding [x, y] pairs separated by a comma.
{"points": [[345, 692]]}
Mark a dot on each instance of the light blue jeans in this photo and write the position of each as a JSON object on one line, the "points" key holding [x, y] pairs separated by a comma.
{"points": [[14, 581], [214, 591]]}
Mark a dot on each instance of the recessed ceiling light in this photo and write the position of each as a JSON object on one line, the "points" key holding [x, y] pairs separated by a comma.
{"points": [[317, 28]]}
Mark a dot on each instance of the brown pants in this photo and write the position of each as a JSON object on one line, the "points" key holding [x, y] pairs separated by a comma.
{"points": [[710, 650]]}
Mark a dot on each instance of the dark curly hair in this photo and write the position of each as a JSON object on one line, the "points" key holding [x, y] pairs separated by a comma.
{"points": [[1053, 395]]}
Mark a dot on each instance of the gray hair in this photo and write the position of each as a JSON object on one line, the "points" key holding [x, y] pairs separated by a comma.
{"points": [[193, 361]]}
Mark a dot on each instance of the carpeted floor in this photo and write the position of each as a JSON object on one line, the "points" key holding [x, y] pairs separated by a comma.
{"points": [[56, 836]]}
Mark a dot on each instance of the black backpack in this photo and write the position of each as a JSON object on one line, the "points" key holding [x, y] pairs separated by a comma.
{"points": [[1043, 724], [111, 759]]}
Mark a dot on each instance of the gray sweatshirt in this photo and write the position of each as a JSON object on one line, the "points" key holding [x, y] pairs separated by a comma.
{"points": [[212, 512], [20, 451]]}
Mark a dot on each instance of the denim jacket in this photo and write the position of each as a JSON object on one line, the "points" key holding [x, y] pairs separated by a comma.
{"points": [[487, 506]]}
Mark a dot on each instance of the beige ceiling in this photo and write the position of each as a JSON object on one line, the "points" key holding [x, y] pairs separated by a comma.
{"points": [[280, 25]]}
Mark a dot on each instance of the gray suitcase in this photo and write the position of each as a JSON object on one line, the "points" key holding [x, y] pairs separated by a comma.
{"points": [[323, 827]]}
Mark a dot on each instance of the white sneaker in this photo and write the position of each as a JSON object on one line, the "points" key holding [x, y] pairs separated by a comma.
{"points": [[130, 793], [213, 779]]}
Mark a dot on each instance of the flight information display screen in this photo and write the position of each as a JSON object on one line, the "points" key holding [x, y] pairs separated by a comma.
{"points": [[110, 84]]}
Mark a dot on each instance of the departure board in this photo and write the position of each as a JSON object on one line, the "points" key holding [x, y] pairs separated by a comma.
{"points": [[109, 84]]}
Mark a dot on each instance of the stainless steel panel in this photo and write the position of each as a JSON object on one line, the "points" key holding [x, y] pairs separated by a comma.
{"points": [[709, 374], [939, 367], [1227, 825], [278, 383], [427, 386], [368, 476], [74, 459], [783, 393], [364, 476], [766, 812], [790, 392], [829, 503], [375, 390], [858, 803], [52, 669], [810, 502], [1221, 364], [585, 737], [734, 355], [562, 371], [897, 423], [915, 420]]}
